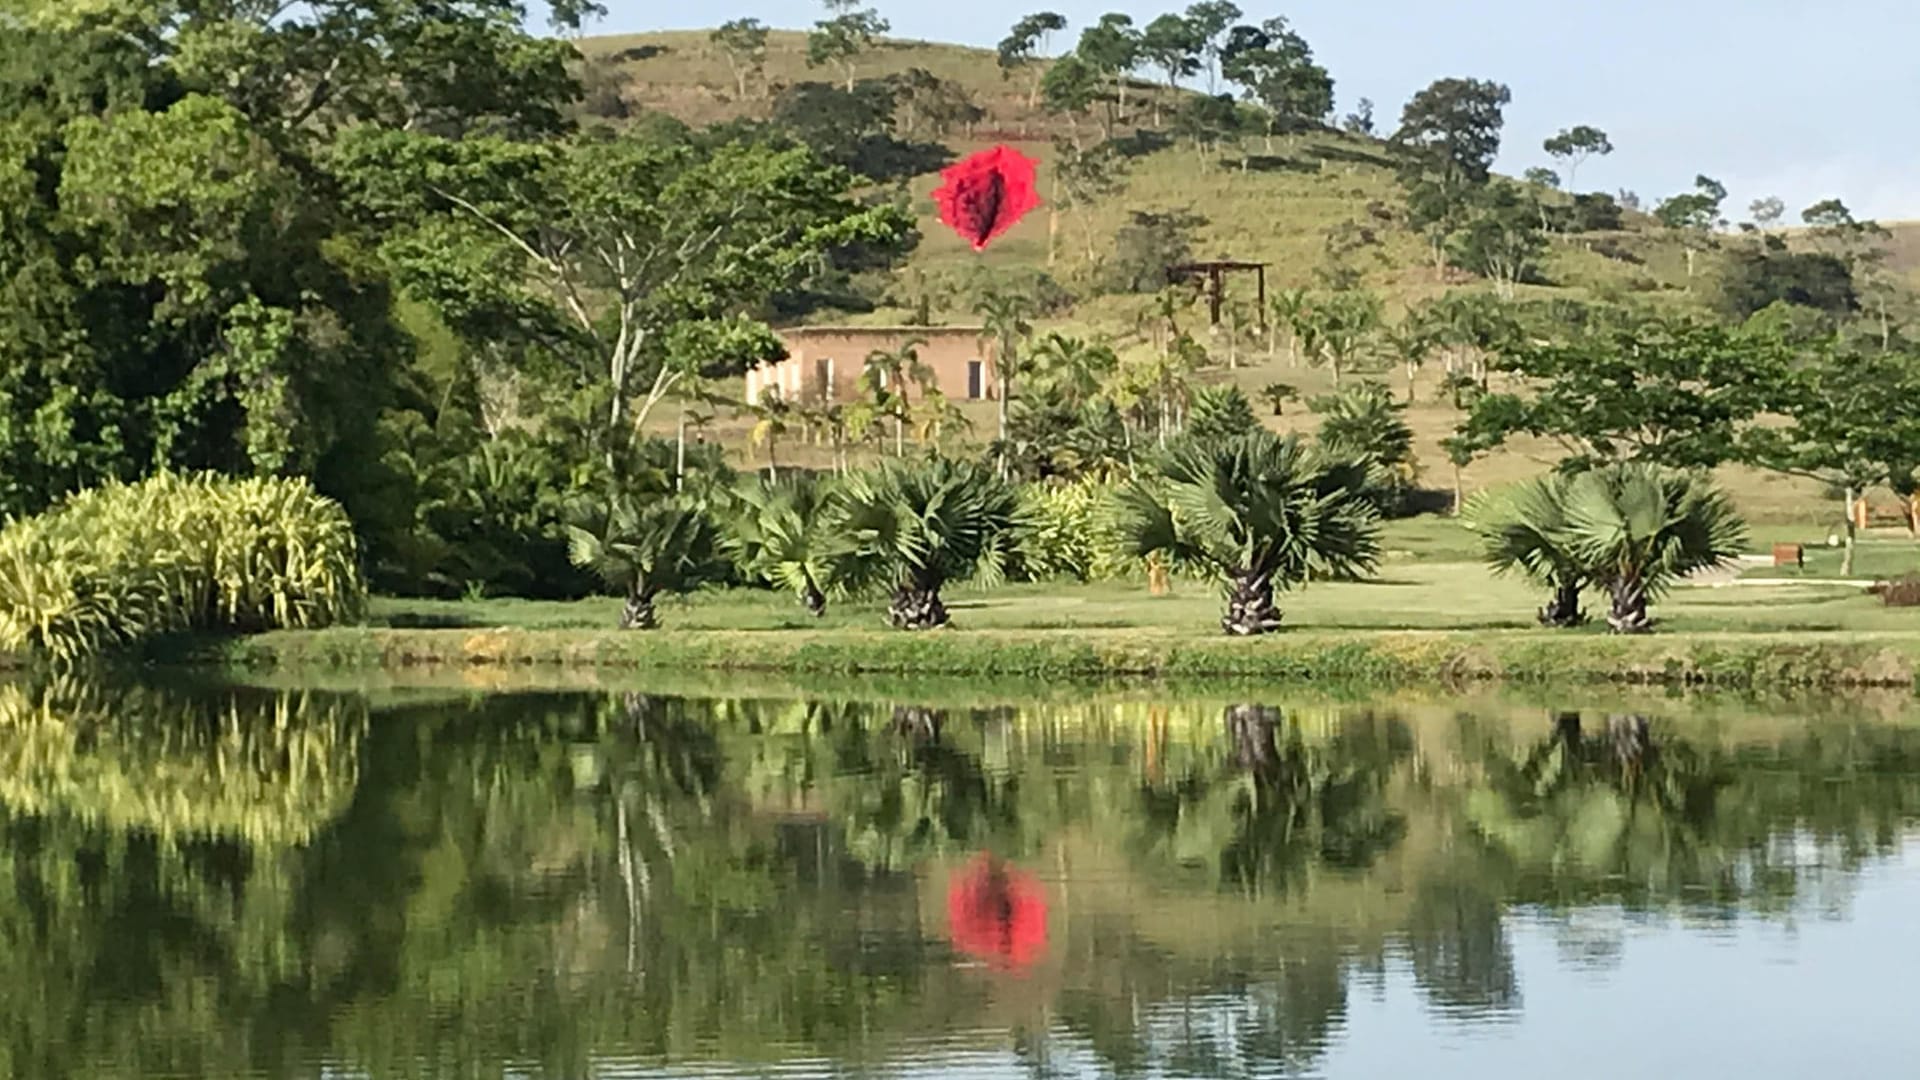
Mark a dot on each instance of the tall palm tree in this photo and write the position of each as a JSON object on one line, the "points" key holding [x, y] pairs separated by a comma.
{"points": [[647, 548], [1524, 527], [927, 524], [1640, 527], [1260, 511], [884, 383], [774, 418], [791, 533], [1004, 318], [1289, 308], [1412, 341]]}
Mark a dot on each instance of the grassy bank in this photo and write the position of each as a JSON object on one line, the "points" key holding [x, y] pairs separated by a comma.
{"points": [[1695, 659], [1425, 618]]}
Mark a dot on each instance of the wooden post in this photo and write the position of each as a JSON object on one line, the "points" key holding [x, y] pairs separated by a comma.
{"points": [[1217, 281], [1261, 270]]}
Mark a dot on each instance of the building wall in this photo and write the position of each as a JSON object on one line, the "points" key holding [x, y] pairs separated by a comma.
{"points": [[824, 363]]}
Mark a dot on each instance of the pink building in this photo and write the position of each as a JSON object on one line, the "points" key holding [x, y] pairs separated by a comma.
{"points": [[823, 363]]}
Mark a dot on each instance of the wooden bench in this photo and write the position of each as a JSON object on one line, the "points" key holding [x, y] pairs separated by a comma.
{"points": [[1789, 555]]}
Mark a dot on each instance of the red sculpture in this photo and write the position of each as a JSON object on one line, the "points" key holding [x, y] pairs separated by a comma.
{"points": [[998, 914], [987, 194]]}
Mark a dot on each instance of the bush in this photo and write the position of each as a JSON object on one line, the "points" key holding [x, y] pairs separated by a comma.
{"points": [[120, 564], [1900, 592], [1055, 532]]}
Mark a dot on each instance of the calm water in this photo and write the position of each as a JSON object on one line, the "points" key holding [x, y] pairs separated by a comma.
{"points": [[249, 883]]}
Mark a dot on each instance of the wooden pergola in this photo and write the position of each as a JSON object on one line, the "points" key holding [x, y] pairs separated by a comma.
{"points": [[1215, 274]]}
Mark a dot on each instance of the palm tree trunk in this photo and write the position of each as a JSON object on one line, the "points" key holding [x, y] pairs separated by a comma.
{"points": [[639, 614], [1250, 607], [1846, 559], [1629, 613], [1251, 728], [1564, 609], [917, 606], [680, 453]]}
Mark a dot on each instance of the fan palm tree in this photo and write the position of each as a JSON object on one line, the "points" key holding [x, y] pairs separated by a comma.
{"points": [[646, 549], [1262, 512], [1640, 527], [927, 524], [1524, 528], [791, 533]]}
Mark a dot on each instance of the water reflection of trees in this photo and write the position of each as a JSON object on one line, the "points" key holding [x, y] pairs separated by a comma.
{"points": [[551, 877]]}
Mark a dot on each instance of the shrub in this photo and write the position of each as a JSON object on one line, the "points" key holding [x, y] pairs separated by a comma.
{"points": [[122, 563], [1900, 592], [1054, 533]]}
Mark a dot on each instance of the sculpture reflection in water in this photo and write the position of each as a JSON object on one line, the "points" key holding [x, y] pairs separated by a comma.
{"points": [[998, 914]]}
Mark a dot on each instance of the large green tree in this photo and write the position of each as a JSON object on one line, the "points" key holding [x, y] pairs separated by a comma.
{"points": [[1274, 65], [1448, 137], [182, 286], [1658, 388], [603, 245]]}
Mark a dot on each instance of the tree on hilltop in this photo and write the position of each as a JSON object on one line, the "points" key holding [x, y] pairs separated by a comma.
{"points": [[1449, 135], [1026, 45], [839, 40], [744, 43], [1575, 145], [1209, 21]]}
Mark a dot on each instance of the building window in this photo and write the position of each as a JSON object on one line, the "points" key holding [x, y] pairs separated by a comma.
{"points": [[976, 380]]}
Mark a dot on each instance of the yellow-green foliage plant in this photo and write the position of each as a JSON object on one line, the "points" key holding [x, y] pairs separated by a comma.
{"points": [[123, 563]]}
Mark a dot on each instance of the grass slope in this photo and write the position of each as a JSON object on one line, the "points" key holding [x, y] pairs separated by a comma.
{"points": [[1281, 215]]}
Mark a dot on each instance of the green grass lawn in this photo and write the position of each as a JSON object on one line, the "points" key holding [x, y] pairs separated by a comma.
{"points": [[1881, 556], [1432, 595]]}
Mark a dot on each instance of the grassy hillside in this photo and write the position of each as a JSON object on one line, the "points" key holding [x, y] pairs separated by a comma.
{"points": [[1275, 203]]}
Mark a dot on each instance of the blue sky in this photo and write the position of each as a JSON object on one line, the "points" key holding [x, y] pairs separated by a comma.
{"points": [[1772, 97]]}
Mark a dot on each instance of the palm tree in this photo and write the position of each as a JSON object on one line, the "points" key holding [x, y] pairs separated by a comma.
{"points": [[1412, 342], [1344, 329], [927, 524], [1524, 528], [883, 383], [1640, 527], [647, 548], [1289, 307], [1004, 321], [1073, 369], [1278, 394], [936, 419], [774, 417], [1260, 511], [791, 534]]}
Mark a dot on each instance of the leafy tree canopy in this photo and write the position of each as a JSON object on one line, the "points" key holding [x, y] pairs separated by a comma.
{"points": [[1659, 388]]}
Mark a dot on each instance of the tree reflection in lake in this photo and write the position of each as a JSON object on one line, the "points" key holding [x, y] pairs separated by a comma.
{"points": [[228, 882]]}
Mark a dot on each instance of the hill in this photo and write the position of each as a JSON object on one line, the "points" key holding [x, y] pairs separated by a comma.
{"points": [[1288, 202]]}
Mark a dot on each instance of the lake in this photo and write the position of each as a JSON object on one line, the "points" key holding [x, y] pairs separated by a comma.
{"points": [[953, 880]]}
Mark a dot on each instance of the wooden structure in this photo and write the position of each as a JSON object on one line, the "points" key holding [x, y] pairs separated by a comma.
{"points": [[1789, 555], [1215, 273]]}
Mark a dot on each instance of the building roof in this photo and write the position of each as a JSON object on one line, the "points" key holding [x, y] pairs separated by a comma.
{"points": [[878, 331], [1221, 264]]}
